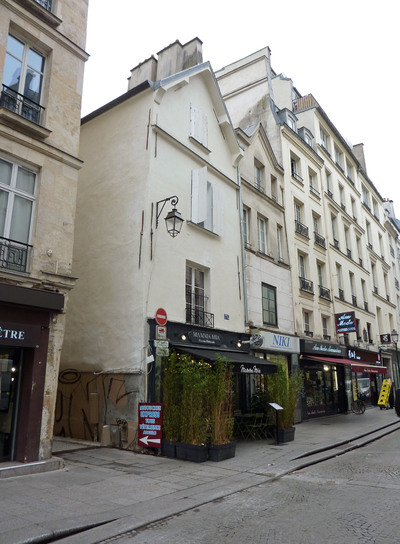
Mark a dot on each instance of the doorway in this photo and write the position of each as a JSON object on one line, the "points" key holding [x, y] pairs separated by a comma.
{"points": [[10, 370]]}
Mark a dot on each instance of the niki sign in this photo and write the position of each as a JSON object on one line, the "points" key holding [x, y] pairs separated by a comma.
{"points": [[345, 322]]}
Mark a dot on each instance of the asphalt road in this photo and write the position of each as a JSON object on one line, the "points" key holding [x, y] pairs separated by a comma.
{"points": [[351, 499]]}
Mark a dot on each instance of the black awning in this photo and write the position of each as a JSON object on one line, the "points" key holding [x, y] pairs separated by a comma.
{"points": [[243, 363]]}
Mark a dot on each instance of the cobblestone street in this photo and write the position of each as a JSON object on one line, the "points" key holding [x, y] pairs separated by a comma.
{"points": [[351, 499]]}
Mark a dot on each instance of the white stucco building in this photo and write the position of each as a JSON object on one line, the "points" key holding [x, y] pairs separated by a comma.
{"points": [[168, 136]]}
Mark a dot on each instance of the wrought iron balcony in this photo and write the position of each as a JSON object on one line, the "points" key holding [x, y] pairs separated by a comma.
{"points": [[301, 229], [297, 177], [197, 316], [324, 292], [309, 333], [320, 240], [20, 104], [354, 300], [14, 255], [349, 253], [365, 305], [341, 294], [306, 285]]}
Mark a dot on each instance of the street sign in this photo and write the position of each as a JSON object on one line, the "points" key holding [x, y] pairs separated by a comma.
{"points": [[161, 333], [161, 316], [149, 425]]}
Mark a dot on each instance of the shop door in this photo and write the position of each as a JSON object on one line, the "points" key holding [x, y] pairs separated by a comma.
{"points": [[9, 388]]}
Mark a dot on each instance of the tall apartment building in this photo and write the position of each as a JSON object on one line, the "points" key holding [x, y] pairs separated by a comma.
{"points": [[340, 242], [42, 60]]}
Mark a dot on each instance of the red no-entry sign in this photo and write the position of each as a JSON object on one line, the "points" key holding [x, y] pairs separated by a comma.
{"points": [[161, 316]]}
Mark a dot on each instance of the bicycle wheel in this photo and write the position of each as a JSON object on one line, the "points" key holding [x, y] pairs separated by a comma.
{"points": [[362, 406], [356, 407]]}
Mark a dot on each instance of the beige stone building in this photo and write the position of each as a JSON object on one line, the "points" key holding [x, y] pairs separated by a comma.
{"points": [[42, 60], [341, 246]]}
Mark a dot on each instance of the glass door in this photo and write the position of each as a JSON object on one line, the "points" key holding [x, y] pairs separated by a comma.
{"points": [[9, 389]]}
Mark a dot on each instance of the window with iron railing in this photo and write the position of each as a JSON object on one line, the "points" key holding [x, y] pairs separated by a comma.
{"points": [[341, 294], [301, 229], [14, 255], [22, 80], [324, 292], [306, 285], [320, 240]]}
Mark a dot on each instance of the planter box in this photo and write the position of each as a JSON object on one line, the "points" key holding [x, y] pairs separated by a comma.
{"points": [[220, 452], [190, 452], [168, 448], [285, 435]]}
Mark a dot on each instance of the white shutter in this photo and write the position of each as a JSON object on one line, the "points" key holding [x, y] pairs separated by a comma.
{"points": [[198, 125], [217, 211], [199, 195]]}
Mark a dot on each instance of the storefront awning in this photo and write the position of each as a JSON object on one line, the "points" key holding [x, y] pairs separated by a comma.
{"points": [[243, 363], [355, 366]]}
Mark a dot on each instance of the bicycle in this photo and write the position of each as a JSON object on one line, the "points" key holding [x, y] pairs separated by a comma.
{"points": [[358, 406]]}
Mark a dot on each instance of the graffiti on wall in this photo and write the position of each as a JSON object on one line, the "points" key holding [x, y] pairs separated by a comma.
{"points": [[90, 405]]}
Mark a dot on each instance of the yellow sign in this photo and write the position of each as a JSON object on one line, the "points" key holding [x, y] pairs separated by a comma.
{"points": [[385, 392]]}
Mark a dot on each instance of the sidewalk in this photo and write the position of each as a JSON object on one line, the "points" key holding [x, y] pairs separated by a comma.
{"points": [[102, 492]]}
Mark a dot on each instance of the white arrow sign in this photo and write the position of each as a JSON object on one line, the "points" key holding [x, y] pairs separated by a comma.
{"points": [[146, 440]]}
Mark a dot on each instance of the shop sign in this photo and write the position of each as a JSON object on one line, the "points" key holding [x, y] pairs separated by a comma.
{"points": [[12, 334], [249, 369], [321, 348], [279, 342], [205, 337], [150, 424], [385, 339], [345, 322], [364, 356]]}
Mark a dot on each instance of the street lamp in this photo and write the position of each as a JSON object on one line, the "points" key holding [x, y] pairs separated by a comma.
{"points": [[173, 220], [394, 335]]}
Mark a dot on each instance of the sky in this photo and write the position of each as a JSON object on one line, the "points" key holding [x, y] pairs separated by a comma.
{"points": [[345, 54]]}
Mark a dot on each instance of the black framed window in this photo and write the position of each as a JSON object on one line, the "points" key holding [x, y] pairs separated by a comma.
{"points": [[269, 308]]}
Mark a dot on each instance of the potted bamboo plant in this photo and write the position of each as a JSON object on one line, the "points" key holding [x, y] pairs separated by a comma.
{"points": [[172, 410], [220, 389], [284, 390]]}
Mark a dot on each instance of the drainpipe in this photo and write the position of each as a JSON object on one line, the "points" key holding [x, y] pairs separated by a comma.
{"points": [[246, 311]]}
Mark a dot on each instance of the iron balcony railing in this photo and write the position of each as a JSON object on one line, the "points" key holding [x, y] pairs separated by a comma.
{"points": [[20, 104], [306, 285], [354, 300], [14, 255], [341, 294], [324, 292], [320, 240], [301, 229], [197, 316], [47, 4]]}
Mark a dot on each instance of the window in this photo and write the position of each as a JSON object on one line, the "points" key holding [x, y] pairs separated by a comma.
{"points": [[269, 304], [196, 300], [349, 169], [302, 266], [274, 188], [334, 232], [365, 196], [207, 211], [312, 178], [325, 328], [295, 168], [262, 234], [279, 237], [198, 125], [338, 157], [348, 241], [324, 139], [328, 183], [246, 227], [375, 209], [307, 324], [17, 197], [368, 229], [259, 176], [297, 212], [342, 197], [22, 80], [353, 208]]}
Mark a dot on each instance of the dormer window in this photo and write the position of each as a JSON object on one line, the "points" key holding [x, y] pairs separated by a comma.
{"points": [[306, 135]]}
